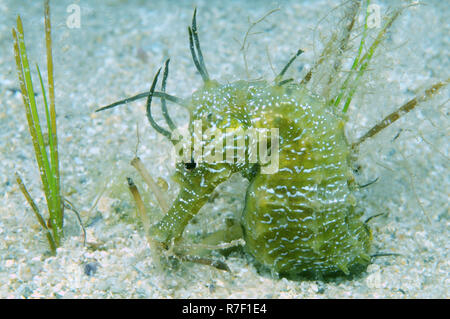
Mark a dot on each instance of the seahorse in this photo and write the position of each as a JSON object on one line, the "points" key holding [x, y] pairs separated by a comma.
{"points": [[302, 218]]}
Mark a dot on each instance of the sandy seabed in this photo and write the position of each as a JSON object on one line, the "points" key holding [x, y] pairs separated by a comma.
{"points": [[115, 53]]}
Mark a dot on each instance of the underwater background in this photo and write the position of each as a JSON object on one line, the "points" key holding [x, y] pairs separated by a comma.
{"points": [[115, 51]]}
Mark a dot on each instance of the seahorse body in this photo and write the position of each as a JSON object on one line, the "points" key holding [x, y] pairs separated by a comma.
{"points": [[302, 218]]}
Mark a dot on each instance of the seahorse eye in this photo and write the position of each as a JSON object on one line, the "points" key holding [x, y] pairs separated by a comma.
{"points": [[190, 165]]}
